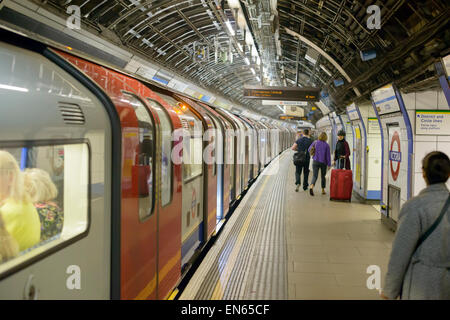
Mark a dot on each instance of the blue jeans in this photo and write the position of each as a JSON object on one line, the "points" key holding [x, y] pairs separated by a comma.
{"points": [[323, 170]]}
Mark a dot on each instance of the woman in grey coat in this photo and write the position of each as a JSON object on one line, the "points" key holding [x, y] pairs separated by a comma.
{"points": [[424, 273]]}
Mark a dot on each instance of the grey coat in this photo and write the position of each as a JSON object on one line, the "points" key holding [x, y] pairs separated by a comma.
{"points": [[424, 274]]}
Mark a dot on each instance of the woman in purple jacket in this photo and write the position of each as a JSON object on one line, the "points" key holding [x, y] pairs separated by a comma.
{"points": [[321, 160]]}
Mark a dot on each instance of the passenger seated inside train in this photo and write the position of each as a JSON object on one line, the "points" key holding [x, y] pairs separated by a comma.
{"points": [[19, 216], [43, 192]]}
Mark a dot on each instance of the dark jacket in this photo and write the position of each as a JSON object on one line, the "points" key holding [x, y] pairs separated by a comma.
{"points": [[342, 150], [303, 144]]}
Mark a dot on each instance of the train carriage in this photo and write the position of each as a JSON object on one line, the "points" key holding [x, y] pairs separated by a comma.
{"points": [[139, 201]]}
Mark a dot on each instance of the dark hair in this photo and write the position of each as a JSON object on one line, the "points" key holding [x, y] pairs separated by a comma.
{"points": [[306, 132], [341, 133], [436, 166]]}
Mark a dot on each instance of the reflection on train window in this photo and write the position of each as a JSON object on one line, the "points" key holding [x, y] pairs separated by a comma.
{"points": [[142, 168], [43, 199], [166, 151], [192, 139]]}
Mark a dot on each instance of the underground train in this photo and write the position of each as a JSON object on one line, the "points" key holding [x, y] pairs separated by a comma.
{"points": [[136, 203]]}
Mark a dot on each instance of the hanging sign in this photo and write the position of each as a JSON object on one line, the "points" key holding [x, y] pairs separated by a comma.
{"points": [[284, 103], [282, 93], [385, 100], [352, 111], [446, 62]]}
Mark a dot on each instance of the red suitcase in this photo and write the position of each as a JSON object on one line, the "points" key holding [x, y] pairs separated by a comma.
{"points": [[341, 184]]}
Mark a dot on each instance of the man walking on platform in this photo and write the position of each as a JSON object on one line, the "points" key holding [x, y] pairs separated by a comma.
{"points": [[301, 159]]}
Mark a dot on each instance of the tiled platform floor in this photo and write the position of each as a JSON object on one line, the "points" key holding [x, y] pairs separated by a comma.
{"points": [[331, 244]]}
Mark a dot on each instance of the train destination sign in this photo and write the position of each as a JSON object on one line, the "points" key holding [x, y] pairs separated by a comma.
{"points": [[282, 93]]}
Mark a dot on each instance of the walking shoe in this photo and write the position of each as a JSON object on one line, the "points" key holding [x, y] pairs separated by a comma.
{"points": [[311, 192], [296, 189], [323, 192]]}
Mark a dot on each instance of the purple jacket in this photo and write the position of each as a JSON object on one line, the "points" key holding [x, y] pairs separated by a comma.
{"points": [[323, 153]]}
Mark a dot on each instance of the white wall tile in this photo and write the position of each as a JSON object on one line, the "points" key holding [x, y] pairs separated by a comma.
{"points": [[409, 100], [442, 101], [421, 150], [443, 138], [444, 147], [427, 100]]}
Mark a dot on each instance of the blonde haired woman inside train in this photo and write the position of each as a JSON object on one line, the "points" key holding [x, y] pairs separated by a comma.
{"points": [[17, 212], [43, 191]]}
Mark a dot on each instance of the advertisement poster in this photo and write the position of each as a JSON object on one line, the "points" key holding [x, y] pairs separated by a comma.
{"points": [[358, 155], [373, 126]]}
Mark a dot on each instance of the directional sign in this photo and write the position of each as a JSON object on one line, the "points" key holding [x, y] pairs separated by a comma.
{"points": [[284, 103], [282, 93]]}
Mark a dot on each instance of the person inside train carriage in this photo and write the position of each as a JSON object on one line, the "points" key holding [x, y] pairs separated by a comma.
{"points": [[320, 152], [302, 159], [43, 193], [9, 248], [18, 213], [419, 265], [342, 152]]}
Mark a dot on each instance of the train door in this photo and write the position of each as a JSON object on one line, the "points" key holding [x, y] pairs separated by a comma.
{"points": [[50, 122], [263, 145], [247, 153], [223, 165], [219, 163], [231, 155], [209, 166], [169, 199], [139, 212], [254, 149], [192, 220], [240, 156], [138, 223]]}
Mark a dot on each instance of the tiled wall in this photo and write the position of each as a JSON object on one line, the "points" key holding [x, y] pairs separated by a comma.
{"points": [[428, 100]]}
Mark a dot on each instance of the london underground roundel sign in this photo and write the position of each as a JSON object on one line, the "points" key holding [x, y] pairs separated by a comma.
{"points": [[395, 156]]}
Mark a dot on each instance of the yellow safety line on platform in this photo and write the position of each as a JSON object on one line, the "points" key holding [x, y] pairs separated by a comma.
{"points": [[225, 276], [173, 295]]}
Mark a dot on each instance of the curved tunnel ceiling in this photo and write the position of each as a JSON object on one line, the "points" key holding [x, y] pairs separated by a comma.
{"points": [[412, 35]]}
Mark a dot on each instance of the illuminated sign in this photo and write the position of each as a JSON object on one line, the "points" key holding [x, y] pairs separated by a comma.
{"points": [[284, 103], [291, 118], [282, 93]]}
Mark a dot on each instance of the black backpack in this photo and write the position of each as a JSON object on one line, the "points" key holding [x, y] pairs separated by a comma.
{"points": [[299, 158]]}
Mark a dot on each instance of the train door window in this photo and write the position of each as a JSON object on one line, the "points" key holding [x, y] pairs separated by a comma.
{"points": [[192, 139], [212, 141], [166, 151], [44, 200], [143, 162]]}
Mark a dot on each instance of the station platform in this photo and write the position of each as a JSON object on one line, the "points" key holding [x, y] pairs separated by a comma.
{"points": [[280, 244]]}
